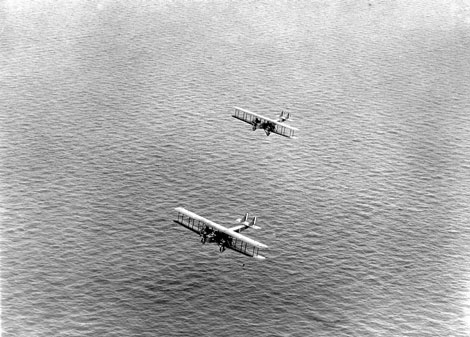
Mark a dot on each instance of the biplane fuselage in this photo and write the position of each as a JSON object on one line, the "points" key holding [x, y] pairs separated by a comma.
{"points": [[214, 233], [269, 125]]}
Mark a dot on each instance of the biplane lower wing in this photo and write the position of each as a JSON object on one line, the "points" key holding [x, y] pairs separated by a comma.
{"points": [[225, 237], [276, 127]]}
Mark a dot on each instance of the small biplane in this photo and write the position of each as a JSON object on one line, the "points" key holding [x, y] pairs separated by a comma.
{"points": [[267, 124], [211, 232]]}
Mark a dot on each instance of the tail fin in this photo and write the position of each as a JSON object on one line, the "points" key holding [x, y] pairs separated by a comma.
{"points": [[252, 222], [283, 117], [244, 219]]}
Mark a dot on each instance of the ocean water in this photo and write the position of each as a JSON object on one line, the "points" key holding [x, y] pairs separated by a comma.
{"points": [[113, 113]]}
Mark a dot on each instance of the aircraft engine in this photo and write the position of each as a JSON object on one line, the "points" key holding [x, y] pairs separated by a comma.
{"points": [[222, 243]]}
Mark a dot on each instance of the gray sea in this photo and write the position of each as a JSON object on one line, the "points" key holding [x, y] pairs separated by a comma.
{"points": [[113, 113]]}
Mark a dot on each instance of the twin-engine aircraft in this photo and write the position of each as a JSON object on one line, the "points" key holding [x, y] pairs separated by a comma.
{"points": [[269, 125], [222, 236]]}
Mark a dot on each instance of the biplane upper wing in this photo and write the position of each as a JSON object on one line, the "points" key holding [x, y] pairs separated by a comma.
{"points": [[249, 117], [233, 240]]}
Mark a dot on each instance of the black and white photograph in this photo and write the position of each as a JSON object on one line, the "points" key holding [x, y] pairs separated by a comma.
{"points": [[284, 168]]}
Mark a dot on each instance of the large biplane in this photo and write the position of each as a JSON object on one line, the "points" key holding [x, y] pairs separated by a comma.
{"points": [[269, 125], [211, 232]]}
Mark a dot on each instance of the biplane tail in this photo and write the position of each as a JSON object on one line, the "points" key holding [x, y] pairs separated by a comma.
{"points": [[283, 117], [244, 224]]}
